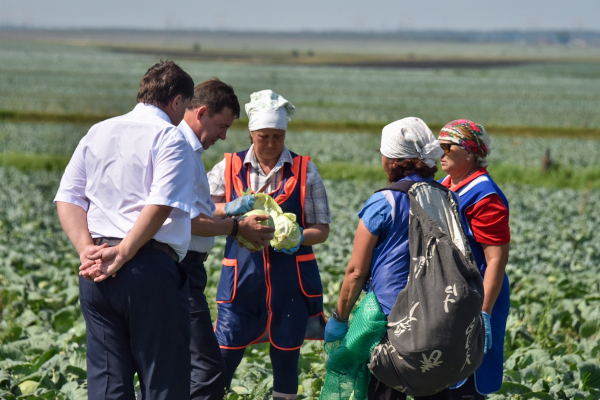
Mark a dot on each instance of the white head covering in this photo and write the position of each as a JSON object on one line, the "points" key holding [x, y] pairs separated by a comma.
{"points": [[267, 109], [410, 138]]}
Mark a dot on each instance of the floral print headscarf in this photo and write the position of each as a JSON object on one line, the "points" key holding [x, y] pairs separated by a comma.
{"points": [[469, 135]]}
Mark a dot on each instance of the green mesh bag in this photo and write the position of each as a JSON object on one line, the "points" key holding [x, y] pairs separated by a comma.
{"points": [[347, 372]]}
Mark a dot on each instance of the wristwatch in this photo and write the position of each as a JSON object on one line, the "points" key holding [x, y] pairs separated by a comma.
{"points": [[337, 318]]}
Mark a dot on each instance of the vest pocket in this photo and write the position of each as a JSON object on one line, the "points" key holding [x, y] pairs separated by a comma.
{"points": [[308, 275], [228, 281]]}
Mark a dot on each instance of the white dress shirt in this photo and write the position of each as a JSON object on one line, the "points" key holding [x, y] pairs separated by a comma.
{"points": [[126, 162], [204, 204]]}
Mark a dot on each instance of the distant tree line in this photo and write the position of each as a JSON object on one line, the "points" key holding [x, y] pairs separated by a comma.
{"points": [[502, 36]]}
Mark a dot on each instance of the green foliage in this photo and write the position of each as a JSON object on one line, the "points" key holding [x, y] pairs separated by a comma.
{"points": [[552, 329], [558, 177], [79, 80], [35, 162], [552, 344], [42, 332]]}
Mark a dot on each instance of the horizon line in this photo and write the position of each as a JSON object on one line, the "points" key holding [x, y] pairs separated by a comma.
{"points": [[371, 32]]}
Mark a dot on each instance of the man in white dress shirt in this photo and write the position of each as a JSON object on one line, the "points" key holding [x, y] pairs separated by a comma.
{"points": [[212, 111], [125, 202]]}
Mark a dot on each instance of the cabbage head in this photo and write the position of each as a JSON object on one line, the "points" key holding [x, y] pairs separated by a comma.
{"points": [[268, 222], [266, 203], [287, 232]]}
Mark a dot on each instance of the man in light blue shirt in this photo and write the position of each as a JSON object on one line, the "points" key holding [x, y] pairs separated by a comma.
{"points": [[212, 111]]}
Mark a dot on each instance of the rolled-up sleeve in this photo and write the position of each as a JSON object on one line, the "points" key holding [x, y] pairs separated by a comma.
{"points": [[174, 175], [73, 182], [216, 181]]}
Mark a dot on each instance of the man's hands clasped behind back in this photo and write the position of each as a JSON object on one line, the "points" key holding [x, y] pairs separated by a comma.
{"points": [[103, 263], [106, 262], [88, 251]]}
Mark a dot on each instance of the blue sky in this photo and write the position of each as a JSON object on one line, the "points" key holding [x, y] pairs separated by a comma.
{"points": [[318, 15]]}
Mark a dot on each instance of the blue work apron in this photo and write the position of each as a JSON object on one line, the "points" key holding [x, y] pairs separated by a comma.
{"points": [[268, 295], [488, 377]]}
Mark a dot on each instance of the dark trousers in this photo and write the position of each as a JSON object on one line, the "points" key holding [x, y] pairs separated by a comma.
{"points": [[208, 367], [285, 368], [466, 391], [138, 321], [379, 391]]}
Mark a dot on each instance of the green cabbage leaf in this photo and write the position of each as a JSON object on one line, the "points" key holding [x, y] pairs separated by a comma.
{"points": [[266, 203], [269, 222], [287, 232]]}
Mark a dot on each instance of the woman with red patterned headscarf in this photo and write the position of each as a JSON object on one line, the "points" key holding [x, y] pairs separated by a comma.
{"points": [[484, 210]]}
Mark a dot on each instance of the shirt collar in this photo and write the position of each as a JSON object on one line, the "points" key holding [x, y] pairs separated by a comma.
{"points": [[151, 110], [447, 182], [416, 178], [190, 136], [285, 157]]}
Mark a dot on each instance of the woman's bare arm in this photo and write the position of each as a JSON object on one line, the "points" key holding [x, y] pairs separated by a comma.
{"points": [[496, 258], [315, 234], [358, 269]]}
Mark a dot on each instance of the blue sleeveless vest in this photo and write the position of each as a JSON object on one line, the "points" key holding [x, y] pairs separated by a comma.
{"points": [[268, 295], [488, 377], [478, 189]]}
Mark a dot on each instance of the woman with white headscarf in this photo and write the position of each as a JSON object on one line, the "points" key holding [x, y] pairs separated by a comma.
{"points": [[270, 295], [380, 253]]}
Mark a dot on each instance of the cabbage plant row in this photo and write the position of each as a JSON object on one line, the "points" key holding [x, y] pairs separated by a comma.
{"points": [[61, 139], [553, 336], [62, 79]]}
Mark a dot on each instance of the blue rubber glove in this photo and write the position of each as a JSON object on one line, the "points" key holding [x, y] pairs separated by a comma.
{"points": [[488, 331], [241, 205], [292, 250], [335, 331]]}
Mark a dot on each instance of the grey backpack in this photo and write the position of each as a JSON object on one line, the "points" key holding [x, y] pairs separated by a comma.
{"points": [[435, 336]]}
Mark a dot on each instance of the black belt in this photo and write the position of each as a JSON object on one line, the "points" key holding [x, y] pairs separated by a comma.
{"points": [[195, 257], [151, 244]]}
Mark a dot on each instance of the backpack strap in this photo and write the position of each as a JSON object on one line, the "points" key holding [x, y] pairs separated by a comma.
{"points": [[404, 186]]}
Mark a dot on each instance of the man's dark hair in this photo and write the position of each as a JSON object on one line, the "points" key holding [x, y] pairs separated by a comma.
{"points": [[410, 165], [216, 96], [163, 82]]}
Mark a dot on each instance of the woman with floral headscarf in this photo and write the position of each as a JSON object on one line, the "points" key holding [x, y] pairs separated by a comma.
{"points": [[484, 210]]}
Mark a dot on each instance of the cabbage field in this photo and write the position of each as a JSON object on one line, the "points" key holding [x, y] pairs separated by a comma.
{"points": [[84, 80], [552, 345]]}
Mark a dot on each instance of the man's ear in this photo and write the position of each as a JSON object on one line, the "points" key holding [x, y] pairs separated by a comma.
{"points": [[175, 102], [200, 111]]}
